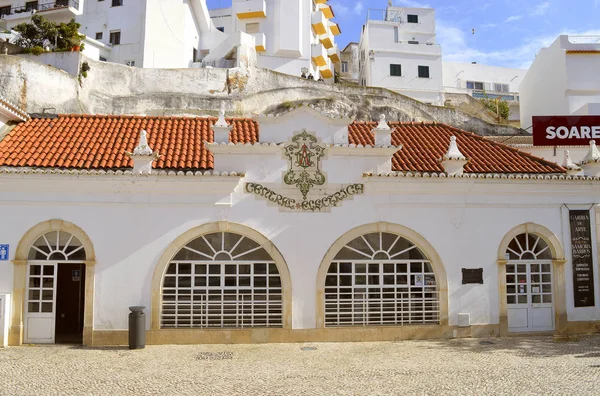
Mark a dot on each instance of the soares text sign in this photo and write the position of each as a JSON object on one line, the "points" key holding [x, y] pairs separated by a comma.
{"points": [[565, 130]]}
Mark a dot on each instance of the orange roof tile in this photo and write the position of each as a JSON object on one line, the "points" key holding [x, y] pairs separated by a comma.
{"points": [[425, 143], [100, 142], [583, 51], [14, 109]]}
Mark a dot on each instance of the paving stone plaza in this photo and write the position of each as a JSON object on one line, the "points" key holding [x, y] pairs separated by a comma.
{"points": [[508, 366]]}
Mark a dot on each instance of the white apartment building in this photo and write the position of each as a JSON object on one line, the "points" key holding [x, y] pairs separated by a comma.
{"points": [[563, 79], [398, 51], [485, 81], [290, 35], [143, 33]]}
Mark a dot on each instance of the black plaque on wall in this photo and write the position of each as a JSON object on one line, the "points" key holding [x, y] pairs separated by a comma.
{"points": [[472, 275], [581, 251]]}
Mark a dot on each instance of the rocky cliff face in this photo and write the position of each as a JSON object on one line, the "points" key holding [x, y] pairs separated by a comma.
{"points": [[117, 89]]}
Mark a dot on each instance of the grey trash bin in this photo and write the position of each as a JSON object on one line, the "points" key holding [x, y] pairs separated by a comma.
{"points": [[137, 328]]}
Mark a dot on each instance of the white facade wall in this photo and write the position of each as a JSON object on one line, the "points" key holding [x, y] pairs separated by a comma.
{"points": [[131, 223], [456, 75], [386, 42], [561, 83]]}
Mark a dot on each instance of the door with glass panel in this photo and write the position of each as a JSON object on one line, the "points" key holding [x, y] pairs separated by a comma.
{"points": [[529, 296], [48, 253], [41, 292]]}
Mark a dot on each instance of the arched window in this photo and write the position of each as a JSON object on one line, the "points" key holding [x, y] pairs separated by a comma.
{"points": [[528, 246], [57, 246], [380, 279], [222, 279]]}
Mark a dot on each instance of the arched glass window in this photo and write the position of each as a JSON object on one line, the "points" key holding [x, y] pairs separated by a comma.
{"points": [[380, 279], [57, 246], [222, 279], [528, 247]]}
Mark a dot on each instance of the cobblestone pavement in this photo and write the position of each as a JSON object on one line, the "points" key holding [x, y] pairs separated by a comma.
{"points": [[507, 366]]}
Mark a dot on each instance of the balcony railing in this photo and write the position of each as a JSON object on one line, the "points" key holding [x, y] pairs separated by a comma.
{"points": [[37, 7], [584, 39], [384, 15]]}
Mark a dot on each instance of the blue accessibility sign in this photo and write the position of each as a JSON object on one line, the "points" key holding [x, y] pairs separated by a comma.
{"points": [[3, 252]]}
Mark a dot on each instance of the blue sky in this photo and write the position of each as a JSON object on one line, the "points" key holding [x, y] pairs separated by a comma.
{"points": [[507, 32]]}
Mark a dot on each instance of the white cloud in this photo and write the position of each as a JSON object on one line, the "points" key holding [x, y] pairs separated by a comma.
{"points": [[457, 48], [343, 10], [597, 3], [513, 18], [358, 8], [411, 3], [489, 25], [542, 9]]}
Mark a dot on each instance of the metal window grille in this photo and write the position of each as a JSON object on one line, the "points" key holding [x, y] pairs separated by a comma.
{"points": [[222, 280], [380, 279]]}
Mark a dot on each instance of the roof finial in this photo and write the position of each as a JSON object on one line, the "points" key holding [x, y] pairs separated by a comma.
{"points": [[591, 162], [453, 151], [383, 133], [453, 161], [382, 124], [568, 164], [143, 156], [221, 121], [142, 147]]}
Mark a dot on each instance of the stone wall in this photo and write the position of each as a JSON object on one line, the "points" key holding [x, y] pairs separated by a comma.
{"points": [[118, 89]]}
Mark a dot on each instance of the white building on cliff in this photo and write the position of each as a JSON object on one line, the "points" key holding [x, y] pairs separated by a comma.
{"points": [[564, 79]]}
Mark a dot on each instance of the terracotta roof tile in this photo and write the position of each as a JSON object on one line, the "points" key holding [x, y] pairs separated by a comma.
{"points": [[13, 109], [424, 144], [583, 51], [100, 142]]}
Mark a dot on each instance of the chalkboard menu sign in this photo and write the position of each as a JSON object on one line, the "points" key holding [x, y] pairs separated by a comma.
{"points": [[581, 250], [472, 275]]}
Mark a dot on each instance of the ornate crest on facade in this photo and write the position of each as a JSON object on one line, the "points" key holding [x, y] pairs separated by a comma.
{"points": [[304, 154], [304, 179]]}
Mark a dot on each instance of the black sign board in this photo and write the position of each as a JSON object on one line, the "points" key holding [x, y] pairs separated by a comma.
{"points": [[472, 275], [581, 251]]}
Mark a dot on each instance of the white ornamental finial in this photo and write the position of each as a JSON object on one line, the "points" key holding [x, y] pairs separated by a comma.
{"points": [[382, 124], [221, 121], [143, 148], [453, 151], [592, 156], [568, 163], [143, 156]]}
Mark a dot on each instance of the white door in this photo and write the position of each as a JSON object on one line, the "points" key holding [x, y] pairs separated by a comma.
{"points": [[529, 296], [41, 301]]}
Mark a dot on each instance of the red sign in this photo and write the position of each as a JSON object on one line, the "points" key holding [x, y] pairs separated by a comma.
{"points": [[565, 130]]}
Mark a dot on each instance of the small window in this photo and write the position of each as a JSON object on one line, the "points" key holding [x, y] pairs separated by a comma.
{"points": [[102, 59], [221, 29], [252, 28], [423, 71], [99, 36], [413, 42], [31, 5], [130, 63], [395, 70], [117, 3], [4, 10], [344, 67], [475, 85], [412, 18], [115, 37], [195, 55], [501, 87]]}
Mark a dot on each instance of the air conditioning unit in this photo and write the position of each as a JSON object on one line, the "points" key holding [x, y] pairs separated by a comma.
{"points": [[4, 319]]}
